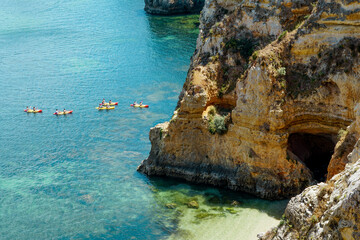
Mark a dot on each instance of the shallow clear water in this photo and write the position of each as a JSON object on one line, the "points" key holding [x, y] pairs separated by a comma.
{"points": [[74, 176]]}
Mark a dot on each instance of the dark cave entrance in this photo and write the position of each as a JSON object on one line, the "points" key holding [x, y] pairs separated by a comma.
{"points": [[314, 150]]}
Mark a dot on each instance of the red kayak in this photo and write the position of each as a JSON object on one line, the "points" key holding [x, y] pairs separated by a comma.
{"points": [[111, 104], [139, 106], [63, 113]]}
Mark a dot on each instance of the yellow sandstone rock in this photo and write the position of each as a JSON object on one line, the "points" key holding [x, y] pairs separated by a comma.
{"points": [[282, 81]]}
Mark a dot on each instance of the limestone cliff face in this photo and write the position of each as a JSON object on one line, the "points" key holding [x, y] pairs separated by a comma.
{"points": [[324, 211], [170, 7], [269, 98]]}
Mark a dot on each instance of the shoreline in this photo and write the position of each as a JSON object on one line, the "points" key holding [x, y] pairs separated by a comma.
{"points": [[245, 225], [197, 212]]}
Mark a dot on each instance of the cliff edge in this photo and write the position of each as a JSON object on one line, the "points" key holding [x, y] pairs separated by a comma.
{"points": [[269, 103]]}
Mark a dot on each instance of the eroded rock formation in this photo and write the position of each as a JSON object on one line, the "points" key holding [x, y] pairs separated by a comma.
{"points": [[269, 98], [171, 7], [325, 211]]}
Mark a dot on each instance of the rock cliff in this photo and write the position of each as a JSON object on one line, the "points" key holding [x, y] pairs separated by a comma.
{"points": [[325, 211], [271, 98], [171, 7]]}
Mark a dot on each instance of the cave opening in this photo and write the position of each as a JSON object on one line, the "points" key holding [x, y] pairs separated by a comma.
{"points": [[314, 150]]}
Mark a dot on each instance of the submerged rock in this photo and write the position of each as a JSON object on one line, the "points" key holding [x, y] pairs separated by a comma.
{"points": [[193, 204], [235, 203], [206, 215], [171, 7], [171, 205], [231, 210]]}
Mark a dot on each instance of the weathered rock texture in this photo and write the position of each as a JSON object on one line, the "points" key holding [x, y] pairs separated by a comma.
{"points": [[324, 211], [171, 7], [269, 98]]}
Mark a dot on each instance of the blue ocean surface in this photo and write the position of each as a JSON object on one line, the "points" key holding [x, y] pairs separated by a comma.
{"points": [[74, 176]]}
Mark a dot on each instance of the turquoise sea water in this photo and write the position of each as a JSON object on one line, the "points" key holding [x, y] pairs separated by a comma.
{"points": [[74, 176]]}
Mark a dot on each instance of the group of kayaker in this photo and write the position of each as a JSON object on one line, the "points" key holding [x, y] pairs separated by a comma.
{"points": [[57, 111], [139, 105], [32, 110], [106, 105], [102, 106]]}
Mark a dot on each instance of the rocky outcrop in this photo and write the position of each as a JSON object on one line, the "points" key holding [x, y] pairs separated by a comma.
{"points": [[324, 211], [171, 7], [269, 98], [327, 210]]}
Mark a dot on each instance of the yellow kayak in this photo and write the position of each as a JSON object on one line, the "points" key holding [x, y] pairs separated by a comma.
{"points": [[63, 113], [105, 108], [32, 111]]}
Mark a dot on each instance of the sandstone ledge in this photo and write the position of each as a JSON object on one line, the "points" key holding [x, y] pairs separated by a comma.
{"points": [[262, 182]]}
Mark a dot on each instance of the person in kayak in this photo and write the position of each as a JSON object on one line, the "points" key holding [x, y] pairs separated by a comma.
{"points": [[110, 102], [56, 111], [64, 111], [140, 103], [34, 109], [27, 108], [103, 101], [135, 103]]}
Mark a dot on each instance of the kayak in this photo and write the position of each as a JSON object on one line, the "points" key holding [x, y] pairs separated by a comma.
{"points": [[105, 108], [32, 111], [111, 104], [63, 113], [139, 106]]}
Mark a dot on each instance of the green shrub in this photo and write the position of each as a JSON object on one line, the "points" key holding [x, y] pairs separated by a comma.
{"points": [[222, 91], [298, 25], [282, 35], [215, 58], [281, 71], [283, 84], [282, 222], [255, 55], [342, 133], [314, 219], [217, 125]]}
